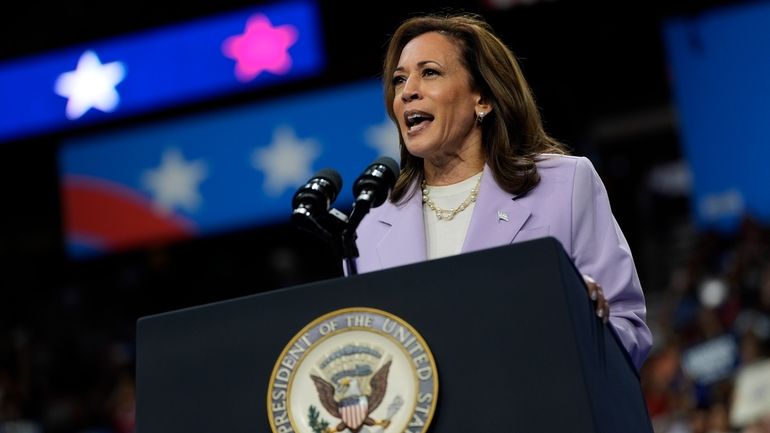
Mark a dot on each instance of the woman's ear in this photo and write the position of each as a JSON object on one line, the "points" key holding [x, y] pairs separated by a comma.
{"points": [[483, 107]]}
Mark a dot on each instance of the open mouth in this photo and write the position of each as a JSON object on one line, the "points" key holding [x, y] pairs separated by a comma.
{"points": [[416, 119]]}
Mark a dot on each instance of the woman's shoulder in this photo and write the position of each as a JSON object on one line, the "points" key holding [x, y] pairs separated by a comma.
{"points": [[558, 165], [554, 160], [560, 170]]}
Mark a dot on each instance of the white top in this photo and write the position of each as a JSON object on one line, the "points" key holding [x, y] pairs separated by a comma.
{"points": [[446, 237]]}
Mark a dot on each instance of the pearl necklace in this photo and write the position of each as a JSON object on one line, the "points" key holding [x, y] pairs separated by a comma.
{"points": [[448, 214]]}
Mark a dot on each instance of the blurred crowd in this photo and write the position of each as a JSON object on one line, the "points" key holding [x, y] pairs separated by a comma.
{"points": [[67, 363], [709, 371], [65, 386]]}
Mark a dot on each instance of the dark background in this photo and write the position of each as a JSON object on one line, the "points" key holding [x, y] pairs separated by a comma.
{"points": [[599, 74]]}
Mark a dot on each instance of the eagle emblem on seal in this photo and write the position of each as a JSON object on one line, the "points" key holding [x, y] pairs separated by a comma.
{"points": [[353, 393]]}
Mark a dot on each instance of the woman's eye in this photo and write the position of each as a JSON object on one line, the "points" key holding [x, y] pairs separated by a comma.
{"points": [[429, 72], [397, 80]]}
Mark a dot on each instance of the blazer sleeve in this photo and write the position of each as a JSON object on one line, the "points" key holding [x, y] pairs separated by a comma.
{"points": [[600, 250]]}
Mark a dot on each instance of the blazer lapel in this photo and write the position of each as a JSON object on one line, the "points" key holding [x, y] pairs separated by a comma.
{"points": [[496, 219], [404, 242]]}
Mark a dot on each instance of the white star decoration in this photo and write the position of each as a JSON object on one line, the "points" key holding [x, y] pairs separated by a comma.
{"points": [[287, 161], [90, 85], [384, 139], [174, 184]]}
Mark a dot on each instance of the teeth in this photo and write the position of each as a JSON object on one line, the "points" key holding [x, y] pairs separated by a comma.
{"points": [[413, 119]]}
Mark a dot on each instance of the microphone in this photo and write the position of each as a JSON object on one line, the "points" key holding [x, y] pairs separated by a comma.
{"points": [[374, 184], [371, 189], [315, 197]]}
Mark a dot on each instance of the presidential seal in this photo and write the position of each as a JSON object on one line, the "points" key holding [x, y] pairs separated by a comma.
{"points": [[354, 370]]}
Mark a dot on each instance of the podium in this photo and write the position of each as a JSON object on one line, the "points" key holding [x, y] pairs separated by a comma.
{"points": [[516, 344]]}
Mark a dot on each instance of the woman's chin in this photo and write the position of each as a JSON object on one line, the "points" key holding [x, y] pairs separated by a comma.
{"points": [[420, 148]]}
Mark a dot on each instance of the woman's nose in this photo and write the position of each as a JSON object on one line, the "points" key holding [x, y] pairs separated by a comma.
{"points": [[410, 91]]}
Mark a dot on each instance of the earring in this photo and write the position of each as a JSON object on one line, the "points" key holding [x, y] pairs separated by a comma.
{"points": [[480, 117]]}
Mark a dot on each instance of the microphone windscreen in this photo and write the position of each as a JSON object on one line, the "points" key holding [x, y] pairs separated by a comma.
{"points": [[332, 176], [374, 184], [319, 192], [391, 164]]}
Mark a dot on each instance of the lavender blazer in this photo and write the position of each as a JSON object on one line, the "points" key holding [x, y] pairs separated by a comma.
{"points": [[570, 203]]}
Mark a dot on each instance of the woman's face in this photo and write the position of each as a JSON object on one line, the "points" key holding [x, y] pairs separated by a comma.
{"points": [[433, 102]]}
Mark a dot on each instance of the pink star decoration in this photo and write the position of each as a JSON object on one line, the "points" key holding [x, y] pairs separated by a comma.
{"points": [[261, 47]]}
